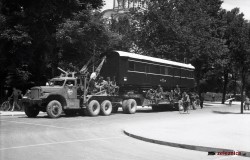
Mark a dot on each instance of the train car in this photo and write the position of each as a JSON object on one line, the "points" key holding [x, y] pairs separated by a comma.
{"points": [[138, 73]]}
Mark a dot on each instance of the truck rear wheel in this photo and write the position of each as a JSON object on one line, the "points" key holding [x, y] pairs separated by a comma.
{"points": [[54, 109], [31, 111], [93, 108], [124, 105], [131, 106], [106, 108]]}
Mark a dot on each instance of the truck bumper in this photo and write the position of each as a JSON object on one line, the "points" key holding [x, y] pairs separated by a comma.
{"points": [[31, 101]]}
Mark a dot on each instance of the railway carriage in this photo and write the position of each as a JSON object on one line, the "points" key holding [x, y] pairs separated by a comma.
{"points": [[138, 73]]}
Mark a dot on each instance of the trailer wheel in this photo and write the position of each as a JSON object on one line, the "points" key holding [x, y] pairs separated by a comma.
{"points": [[131, 106], [106, 108], [124, 105], [31, 111], [54, 109], [93, 108]]}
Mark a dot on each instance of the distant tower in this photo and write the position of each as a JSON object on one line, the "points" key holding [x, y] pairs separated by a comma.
{"points": [[121, 8], [127, 4]]}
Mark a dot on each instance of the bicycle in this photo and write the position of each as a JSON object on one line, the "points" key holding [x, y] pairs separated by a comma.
{"points": [[183, 107], [8, 106], [5, 106]]}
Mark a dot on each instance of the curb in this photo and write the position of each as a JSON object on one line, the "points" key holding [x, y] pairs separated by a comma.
{"points": [[185, 146]]}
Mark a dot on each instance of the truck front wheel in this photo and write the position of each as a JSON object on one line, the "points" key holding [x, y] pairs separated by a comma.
{"points": [[31, 111], [54, 109], [106, 108]]}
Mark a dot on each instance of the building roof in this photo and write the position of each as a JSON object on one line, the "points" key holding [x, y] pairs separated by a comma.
{"points": [[153, 59]]}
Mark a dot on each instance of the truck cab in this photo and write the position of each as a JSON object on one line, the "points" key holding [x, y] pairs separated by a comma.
{"points": [[62, 92]]}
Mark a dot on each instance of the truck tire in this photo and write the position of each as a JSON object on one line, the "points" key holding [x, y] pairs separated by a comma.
{"points": [[54, 109], [31, 111], [106, 108], [124, 106], [93, 108], [131, 106]]}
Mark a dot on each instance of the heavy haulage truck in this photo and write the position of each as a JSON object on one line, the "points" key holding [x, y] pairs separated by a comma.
{"points": [[134, 74]]}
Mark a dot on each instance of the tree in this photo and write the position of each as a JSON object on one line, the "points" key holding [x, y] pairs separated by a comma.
{"points": [[28, 34], [179, 29], [82, 36], [237, 36]]}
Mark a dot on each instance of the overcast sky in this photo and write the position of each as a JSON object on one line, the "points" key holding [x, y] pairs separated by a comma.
{"points": [[244, 6]]}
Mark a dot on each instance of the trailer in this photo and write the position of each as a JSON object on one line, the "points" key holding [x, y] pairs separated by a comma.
{"points": [[137, 74]]}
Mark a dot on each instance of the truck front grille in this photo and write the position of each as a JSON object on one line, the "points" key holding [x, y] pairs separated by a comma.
{"points": [[34, 94]]}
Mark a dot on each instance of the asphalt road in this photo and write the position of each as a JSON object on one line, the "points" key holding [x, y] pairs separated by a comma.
{"points": [[88, 138]]}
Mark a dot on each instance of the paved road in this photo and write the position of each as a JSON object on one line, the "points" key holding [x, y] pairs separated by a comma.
{"points": [[89, 138]]}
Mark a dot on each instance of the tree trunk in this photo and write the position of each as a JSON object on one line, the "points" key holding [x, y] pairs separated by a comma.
{"points": [[235, 84], [243, 83], [224, 86]]}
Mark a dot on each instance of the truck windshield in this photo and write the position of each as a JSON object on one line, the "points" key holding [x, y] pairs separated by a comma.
{"points": [[56, 82]]}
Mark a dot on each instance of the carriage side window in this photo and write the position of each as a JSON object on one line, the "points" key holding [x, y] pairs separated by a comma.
{"points": [[166, 71], [162, 70], [177, 72], [147, 68], [157, 70], [131, 66]]}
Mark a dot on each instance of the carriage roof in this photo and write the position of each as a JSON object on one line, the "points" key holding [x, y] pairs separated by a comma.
{"points": [[153, 59]]}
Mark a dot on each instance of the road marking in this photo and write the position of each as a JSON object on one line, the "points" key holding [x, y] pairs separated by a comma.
{"points": [[44, 125], [63, 142]]}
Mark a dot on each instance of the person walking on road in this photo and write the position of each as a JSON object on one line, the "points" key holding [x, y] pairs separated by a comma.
{"points": [[15, 95], [247, 103], [213, 97], [186, 101], [201, 100]]}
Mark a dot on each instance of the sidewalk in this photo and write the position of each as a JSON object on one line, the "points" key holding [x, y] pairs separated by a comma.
{"points": [[219, 129], [9, 113]]}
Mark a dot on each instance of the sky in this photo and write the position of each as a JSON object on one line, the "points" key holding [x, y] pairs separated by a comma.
{"points": [[244, 6]]}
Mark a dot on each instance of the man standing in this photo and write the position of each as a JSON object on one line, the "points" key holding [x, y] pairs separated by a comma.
{"points": [[15, 94]]}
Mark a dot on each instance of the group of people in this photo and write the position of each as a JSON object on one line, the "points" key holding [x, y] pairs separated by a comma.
{"points": [[184, 98], [98, 85]]}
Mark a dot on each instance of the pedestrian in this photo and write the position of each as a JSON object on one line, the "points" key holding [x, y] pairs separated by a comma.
{"points": [[186, 101], [247, 103], [201, 100], [230, 100], [192, 100], [213, 97], [15, 95]]}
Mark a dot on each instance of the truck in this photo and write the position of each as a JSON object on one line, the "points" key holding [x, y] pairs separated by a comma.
{"points": [[69, 94], [134, 74]]}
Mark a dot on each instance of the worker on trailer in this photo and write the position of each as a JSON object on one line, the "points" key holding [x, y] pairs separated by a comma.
{"points": [[93, 88]]}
